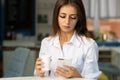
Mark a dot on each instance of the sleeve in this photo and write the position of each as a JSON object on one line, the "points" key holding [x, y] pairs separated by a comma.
{"points": [[42, 51], [90, 68], [43, 47]]}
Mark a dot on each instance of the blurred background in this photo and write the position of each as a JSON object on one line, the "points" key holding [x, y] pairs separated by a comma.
{"points": [[24, 23]]}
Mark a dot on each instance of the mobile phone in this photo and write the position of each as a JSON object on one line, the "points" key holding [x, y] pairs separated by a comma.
{"points": [[64, 61]]}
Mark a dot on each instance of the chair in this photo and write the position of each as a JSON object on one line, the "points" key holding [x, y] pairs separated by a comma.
{"points": [[17, 62], [103, 77], [111, 70]]}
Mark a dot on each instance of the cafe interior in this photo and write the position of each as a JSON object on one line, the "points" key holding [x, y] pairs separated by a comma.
{"points": [[24, 23]]}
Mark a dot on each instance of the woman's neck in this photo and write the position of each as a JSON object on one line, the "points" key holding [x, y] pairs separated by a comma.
{"points": [[65, 37]]}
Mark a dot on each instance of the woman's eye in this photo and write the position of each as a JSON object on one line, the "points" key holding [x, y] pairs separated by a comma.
{"points": [[73, 17], [62, 16]]}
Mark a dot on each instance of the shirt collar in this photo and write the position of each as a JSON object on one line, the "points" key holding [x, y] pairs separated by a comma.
{"points": [[55, 41], [75, 40]]}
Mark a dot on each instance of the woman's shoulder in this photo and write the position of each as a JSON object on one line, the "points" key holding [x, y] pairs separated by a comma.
{"points": [[87, 40], [47, 40]]}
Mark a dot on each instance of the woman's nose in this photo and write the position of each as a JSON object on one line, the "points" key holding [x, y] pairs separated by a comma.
{"points": [[67, 20]]}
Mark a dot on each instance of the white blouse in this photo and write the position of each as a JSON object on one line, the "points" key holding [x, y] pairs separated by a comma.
{"points": [[83, 52]]}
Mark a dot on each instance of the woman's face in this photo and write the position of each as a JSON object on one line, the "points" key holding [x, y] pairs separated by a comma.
{"points": [[67, 18]]}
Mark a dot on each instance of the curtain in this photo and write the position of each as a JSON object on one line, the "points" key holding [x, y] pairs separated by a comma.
{"points": [[106, 8]]}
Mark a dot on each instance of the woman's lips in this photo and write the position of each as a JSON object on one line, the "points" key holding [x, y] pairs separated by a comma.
{"points": [[66, 27]]}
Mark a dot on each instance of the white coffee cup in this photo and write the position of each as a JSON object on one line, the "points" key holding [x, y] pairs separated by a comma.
{"points": [[46, 60]]}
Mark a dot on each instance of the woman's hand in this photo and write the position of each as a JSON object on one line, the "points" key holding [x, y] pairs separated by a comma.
{"points": [[38, 67], [67, 72]]}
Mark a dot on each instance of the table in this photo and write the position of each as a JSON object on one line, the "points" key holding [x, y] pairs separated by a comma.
{"points": [[42, 78]]}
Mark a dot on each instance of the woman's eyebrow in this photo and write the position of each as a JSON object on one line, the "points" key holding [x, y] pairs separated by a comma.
{"points": [[73, 14], [62, 13], [70, 14]]}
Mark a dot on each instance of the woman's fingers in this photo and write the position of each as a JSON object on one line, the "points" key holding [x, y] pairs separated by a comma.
{"points": [[67, 72], [39, 65], [41, 73], [63, 72], [69, 68]]}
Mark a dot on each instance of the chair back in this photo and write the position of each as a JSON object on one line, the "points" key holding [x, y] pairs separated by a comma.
{"points": [[17, 62]]}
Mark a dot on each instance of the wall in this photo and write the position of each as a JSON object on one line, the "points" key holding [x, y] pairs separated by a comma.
{"points": [[44, 10], [108, 25], [46, 7]]}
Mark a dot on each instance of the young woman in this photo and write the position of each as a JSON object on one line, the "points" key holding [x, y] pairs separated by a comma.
{"points": [[70, 39]]}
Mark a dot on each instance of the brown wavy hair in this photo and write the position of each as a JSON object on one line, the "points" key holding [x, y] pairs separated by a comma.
{"points": [[81, 26]]}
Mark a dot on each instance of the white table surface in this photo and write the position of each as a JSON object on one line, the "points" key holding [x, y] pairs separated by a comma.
{"points": [[41, 78]]}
